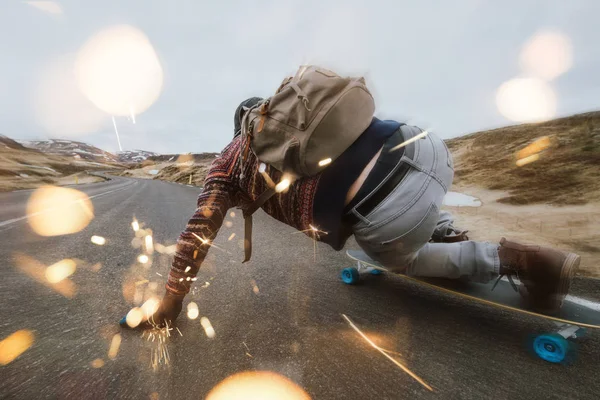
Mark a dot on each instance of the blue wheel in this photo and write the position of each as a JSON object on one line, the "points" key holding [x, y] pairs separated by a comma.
{"points": [[350, 275], [551, 347], [376, 272]]}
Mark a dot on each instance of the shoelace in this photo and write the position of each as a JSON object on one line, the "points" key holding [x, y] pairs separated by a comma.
{"points": [[510, 280]]}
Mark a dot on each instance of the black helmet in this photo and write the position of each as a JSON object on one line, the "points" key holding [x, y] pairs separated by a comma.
{"points": [[239, 113]]}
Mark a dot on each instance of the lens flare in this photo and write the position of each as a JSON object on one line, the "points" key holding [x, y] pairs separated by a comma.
{"points": [[547, 55], [149, 244], [54, 211], [119, 71], [115, 344], [257, 385], [15, 345], [526, 100], [142, 259], [135, 225], [283, 185], [60, 271], [324, 162]]}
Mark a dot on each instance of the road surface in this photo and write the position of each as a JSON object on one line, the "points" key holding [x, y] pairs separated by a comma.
{"points": [[282, 312]]}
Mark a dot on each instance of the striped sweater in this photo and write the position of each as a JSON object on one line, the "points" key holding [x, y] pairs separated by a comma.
{"points": [[224, 189]]}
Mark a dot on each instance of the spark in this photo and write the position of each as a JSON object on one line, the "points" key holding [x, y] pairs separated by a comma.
{"points": [[132, 113], [14, 345], [382, 351], [254, 287], [409, 141], [142, 259], [97, 363], [159, 274], [160, 352], [99, 240], [188, 279], [208, 329], [149, 245], [60, 271], [180, 279], [141, 282], [195, 254], [324, 162], [135, 225], [283, 185], [117, 133], [115, 344], [192, 310], [187, 269], [528, 160], [231, 236], [206, 241], [179, 331], [194, 279]]}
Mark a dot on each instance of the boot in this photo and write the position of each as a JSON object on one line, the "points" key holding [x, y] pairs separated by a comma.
{"points": [[545, 273]]}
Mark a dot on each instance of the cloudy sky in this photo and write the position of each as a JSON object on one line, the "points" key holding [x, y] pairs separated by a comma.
{"points": [[437, 64]]}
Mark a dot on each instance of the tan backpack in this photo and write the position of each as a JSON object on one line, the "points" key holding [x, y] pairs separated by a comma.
{"points": [[310, 121]]}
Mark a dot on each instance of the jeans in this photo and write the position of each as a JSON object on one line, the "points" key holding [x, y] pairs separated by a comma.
{"points": [[397, 231]]}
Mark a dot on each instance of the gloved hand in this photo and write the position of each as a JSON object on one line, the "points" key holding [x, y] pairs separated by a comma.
{"points": [[167, 312]]}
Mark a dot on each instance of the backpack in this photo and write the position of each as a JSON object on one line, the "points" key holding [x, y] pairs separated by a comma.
{"points": [[312, 118]]}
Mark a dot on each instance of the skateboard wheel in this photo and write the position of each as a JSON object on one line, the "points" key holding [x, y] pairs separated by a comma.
{"points": [[551, 347], [350, 275], [375, 271]]}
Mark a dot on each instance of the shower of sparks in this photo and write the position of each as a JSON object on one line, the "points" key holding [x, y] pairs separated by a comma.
{"points": [[409, 141], [528, 160], [115, 344], [158, 337], [231, 236], [192, 310], [14, 345], [315, 236], [135, 225], [208, 242], [149, 244], [324, 162], [208, 329], [382, 351], [117, 133], [99, 240], [142, 259]]}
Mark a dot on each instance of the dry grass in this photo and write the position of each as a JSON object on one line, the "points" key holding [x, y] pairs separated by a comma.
{"points": [[567, 173]]}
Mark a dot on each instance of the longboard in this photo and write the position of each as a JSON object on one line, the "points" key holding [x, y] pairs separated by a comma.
{"points": [[573, 317]]}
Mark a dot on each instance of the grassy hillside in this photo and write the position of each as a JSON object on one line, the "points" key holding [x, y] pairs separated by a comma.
{"points": [[567, 172]]}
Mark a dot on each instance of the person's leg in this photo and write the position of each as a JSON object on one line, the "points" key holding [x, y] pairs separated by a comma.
{"points": [[396, 233]]}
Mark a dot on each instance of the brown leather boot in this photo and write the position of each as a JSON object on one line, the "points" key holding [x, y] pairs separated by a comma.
{"points": [[546, 273]]}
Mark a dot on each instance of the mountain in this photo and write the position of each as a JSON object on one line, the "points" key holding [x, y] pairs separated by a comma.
{"points": [[73, 149], [8, 143], [563, 160], [134, 156]]}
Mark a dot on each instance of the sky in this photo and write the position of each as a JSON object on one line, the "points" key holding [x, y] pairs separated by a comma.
{"points": [[433, 63]]}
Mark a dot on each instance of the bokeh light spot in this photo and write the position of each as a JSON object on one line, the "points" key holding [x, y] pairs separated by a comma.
{"points": [[526, 100], [547, 55], [15, 345], [60, 271], [118, 70], [255, 385]]}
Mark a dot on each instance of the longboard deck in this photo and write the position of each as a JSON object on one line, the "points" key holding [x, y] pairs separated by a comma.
{"points": [[503, 295]]}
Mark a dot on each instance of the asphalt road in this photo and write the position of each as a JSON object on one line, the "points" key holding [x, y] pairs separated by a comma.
{"points": [[282, 312]]}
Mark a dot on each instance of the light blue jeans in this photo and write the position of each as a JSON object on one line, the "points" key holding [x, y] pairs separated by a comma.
{"points": [[397, 231]]}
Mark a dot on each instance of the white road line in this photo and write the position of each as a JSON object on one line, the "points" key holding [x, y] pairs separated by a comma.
{"points": [[12, 221], [592, 305]]}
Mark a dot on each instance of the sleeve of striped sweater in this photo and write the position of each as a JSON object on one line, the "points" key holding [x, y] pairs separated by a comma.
{"points": [[201, 230]]}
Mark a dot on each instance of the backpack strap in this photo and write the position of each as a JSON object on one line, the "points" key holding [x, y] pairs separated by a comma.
{"points": [[262, 199]]}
